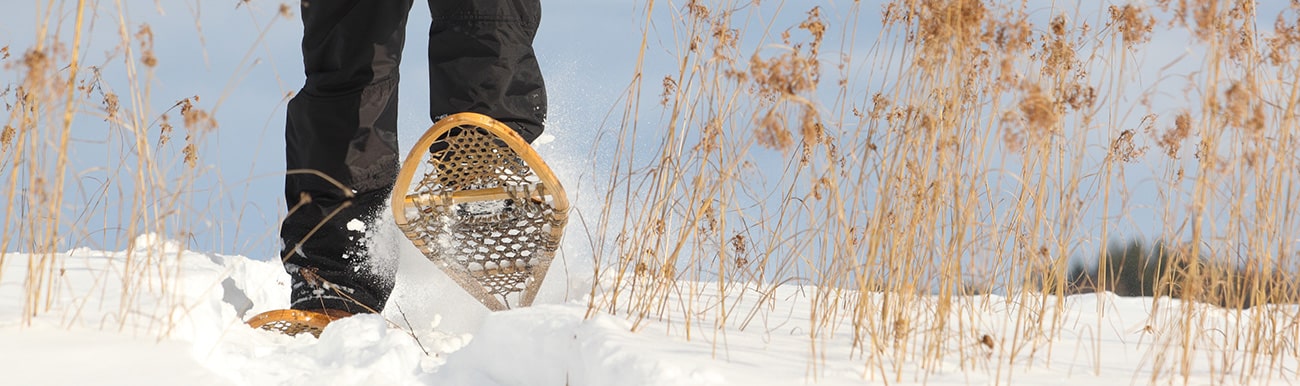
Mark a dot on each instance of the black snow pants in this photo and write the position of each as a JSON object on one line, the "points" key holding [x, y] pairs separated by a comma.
{"points": [[341, 136]]}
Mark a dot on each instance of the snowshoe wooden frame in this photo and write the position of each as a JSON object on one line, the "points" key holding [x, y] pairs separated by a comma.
{"points": [[481, 161]]}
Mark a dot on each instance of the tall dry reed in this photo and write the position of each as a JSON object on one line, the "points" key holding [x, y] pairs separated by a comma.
{"points": [[152, 155], [971, 147]]}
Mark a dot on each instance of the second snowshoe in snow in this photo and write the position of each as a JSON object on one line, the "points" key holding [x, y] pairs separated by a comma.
{"points": [[294, 322]]}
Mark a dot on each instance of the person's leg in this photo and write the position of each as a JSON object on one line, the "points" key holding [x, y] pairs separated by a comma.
{"points": [[343, 125], [481, 60]]}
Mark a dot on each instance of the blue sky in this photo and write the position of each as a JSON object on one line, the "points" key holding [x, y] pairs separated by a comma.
{"points": [[242, 61]]}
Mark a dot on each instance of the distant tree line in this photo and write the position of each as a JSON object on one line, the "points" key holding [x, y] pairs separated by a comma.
{"points": [[1135, 268]]}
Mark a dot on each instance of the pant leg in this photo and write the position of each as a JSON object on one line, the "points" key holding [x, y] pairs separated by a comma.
{"points": [[343, 124], [481, 60]]}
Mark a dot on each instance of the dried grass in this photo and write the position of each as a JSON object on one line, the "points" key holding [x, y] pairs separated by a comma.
{"points": [[986, 149], [145, 185]]}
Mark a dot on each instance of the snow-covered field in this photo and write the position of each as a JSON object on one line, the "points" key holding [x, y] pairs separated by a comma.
{"points": [[452, 342]]}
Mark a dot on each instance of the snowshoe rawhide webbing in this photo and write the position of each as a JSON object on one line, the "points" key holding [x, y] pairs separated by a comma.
{"points": [[294, 322], [483, 206]]}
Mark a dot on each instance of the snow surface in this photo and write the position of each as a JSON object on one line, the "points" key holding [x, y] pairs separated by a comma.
{"points": [[451, 341]]}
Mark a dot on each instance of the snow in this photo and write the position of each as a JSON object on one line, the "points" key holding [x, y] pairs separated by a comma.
{"points": [[357, 226], [446, 339], [52, 356]]}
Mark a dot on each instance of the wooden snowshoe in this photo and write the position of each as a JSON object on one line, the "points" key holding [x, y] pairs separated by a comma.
{"points": [[294, 322], [482, 205]]}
